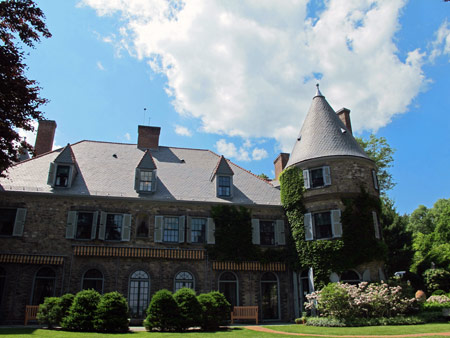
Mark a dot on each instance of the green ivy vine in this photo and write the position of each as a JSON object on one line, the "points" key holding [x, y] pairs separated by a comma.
{"points": [[357, 245]]}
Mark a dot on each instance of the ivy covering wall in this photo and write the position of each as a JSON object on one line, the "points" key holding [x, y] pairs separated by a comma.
{"points": [[358, 243]]}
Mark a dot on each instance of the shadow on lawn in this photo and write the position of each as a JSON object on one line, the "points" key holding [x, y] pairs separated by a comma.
{"points": [[16, 331]]}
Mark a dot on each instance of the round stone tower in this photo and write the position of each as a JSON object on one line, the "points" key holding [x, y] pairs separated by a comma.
{"points": [[334, 167]]}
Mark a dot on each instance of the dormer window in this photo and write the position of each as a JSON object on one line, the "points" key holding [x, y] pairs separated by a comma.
{"points": [[62, 176], [224, 186], [317, 177], [63, 169], [145, 176]]}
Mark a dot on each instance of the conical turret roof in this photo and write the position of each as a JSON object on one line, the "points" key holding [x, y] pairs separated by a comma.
{"points": [[323, 134]]}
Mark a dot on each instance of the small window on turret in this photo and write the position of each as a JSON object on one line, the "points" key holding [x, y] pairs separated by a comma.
{"points": [[317, 177]]}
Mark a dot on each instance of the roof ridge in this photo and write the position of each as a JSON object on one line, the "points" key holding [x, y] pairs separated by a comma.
{"points": [[248, 171]]}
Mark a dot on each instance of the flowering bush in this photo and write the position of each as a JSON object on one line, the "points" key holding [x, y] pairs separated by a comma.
{"points": [[364, 300], [439, 299]]}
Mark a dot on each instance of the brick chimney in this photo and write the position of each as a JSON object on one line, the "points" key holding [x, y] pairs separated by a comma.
{"points": [[344, 115], [45, 137], [280, 163], [148, 137]]}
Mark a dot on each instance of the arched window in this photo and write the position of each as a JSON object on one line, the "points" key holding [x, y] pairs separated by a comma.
{"points": [[350, 277], [93, 279], [269, 296], [138, 294], [229, 286], [44, 285], [184, 279], [2, 283]]}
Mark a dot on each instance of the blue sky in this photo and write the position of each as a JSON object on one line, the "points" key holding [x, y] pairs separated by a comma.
{"points": [[238, 77]]}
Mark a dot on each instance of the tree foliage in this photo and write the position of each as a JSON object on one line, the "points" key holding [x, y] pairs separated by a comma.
{"points": [[432, 248], [381, 153], [396, 236], [19, 96]]}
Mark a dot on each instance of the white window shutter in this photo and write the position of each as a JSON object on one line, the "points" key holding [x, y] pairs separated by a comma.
{"points": [[366, 275], [19, 223], [336, 225], [71, 177], [306, 179], [188, 229], [159, 220], [309, 234], [94, 225], [375, 180], [210, 231], [51, 174], [279, 232], [311, 279], [154, 180], [126, 227], [137, 179], [326, 175], [376, 225], [71, 227], [255, 231], [102, 229], [181, 232]]}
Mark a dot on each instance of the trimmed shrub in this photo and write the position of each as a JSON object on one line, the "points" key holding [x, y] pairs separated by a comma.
{"points": [[48, 313], [82, 311], [216, 310], [112, 313], [397, 320], [162, 313], [189, 308], [65, 304]]}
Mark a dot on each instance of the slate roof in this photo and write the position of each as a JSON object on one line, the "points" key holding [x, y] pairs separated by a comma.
{"points": [[66, 156], [147, 161], [222, 168], [323, 134], [108, 169]]}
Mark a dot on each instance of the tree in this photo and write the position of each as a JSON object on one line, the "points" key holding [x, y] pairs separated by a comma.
{"points": [[19, 96], [264, 176], [396, 236], [381, 153], [432, 249]]}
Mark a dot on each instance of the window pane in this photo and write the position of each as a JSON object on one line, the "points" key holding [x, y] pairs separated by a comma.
{"points": [[170, 229], [146, 181], [138, 294], [198, 230], [7, 218], [62, 175], [113, 231], [93, 279], [267, 232], [224, 186], [142, 230], [84, 225], [44, 285], [184, 279], [322, 225], [317, 177]]}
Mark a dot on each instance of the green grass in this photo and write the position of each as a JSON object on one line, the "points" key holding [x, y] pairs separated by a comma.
{"points": [[237, 332], [365, 330]]}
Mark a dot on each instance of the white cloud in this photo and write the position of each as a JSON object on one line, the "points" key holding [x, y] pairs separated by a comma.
{"points": [[229, 150], [183, 131], [259, 154], [100, 66], [247, 143], [441, 45], [127, 136], [248, 68]]}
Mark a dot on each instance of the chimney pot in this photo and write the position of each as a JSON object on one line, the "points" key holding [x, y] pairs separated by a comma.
{"points": [[344, 116], [45, 137], [148, 137], [280, 163]]}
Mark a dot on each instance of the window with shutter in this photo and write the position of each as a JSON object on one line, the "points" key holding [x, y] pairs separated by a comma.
{"points": [[267, 233], [309, 235], [159, 220], [145, 180], [376, 225], [336, 223], [375, 180], [197, 227], [171, 230], [126, 230], [280, 234], [12, 221], [317, 177], [255, 231]]}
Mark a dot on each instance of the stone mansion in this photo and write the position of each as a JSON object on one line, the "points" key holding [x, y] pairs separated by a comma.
{"points": [[135, 218]]}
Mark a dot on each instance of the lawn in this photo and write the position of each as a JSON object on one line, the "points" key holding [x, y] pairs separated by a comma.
{"points": [[366, 330], [237, 332]]}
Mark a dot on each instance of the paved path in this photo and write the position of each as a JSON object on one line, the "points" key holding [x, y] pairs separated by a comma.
{"points": [[264, 329]]}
